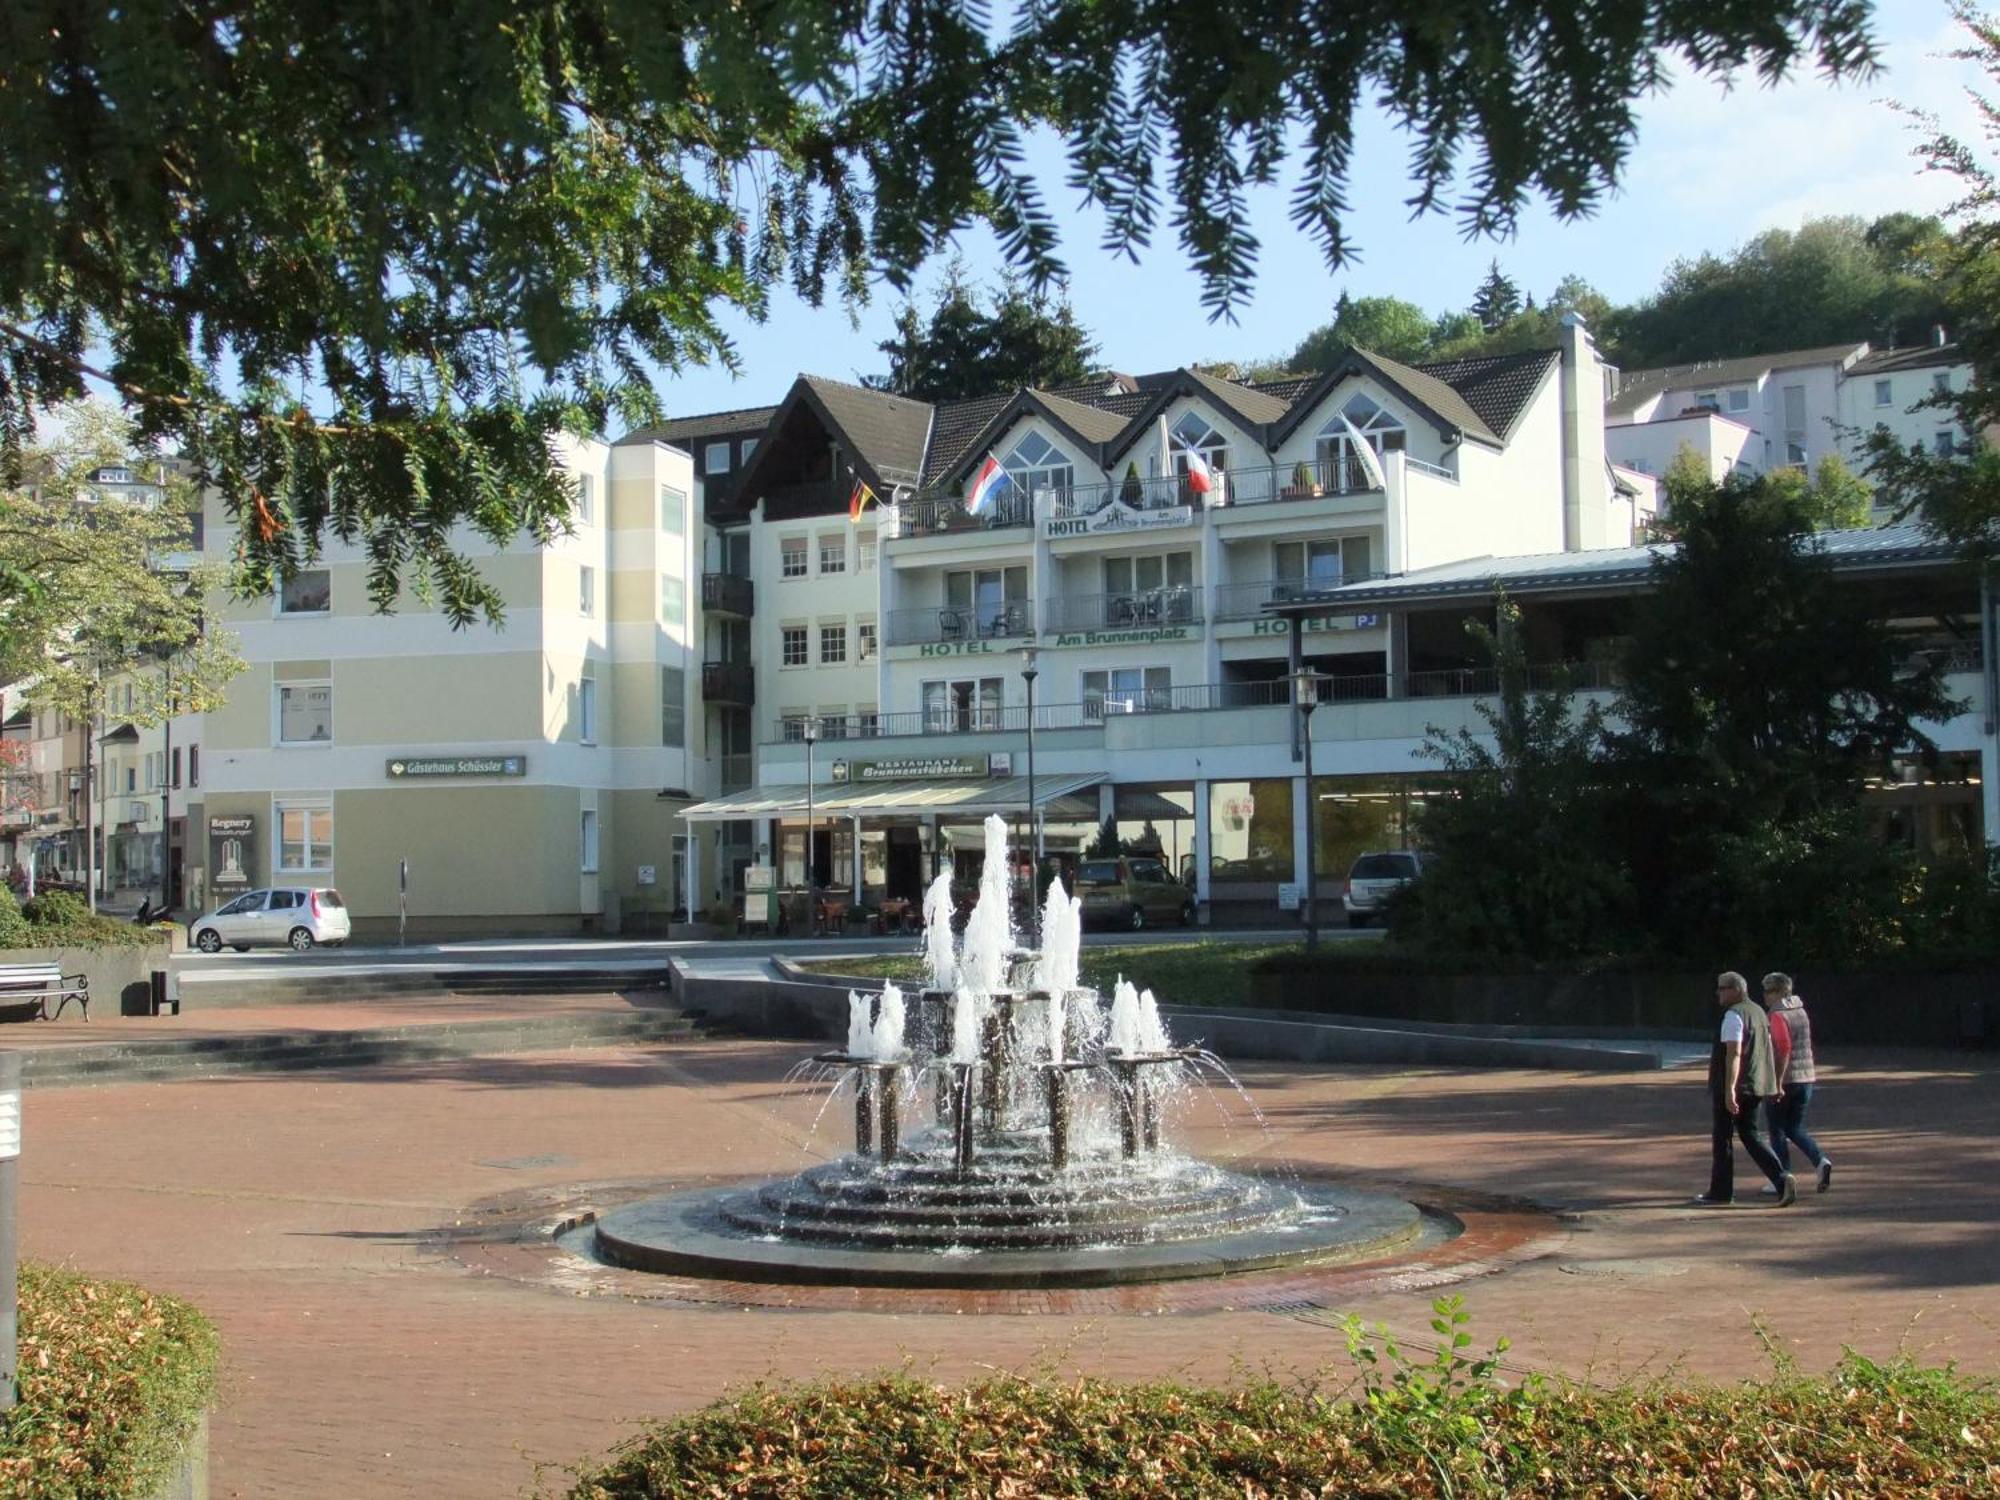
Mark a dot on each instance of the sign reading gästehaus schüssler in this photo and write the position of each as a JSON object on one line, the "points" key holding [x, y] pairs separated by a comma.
{"points": [[405, 767]]}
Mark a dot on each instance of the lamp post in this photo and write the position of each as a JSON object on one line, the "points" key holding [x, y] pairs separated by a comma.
{"points": [[1305, 693], [809, 732], [1029, 672]]}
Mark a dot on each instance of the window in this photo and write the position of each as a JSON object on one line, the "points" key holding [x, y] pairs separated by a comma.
{"points": [[1739, 399], [586, 708], [673, 599], [990, 601], [305, 713], [1149, 574], [1379, 427], [152, 779], [962, 704], [1944, 444], [194, 765], [867, 724], [1126, 690], [1194, 431], [673, 707], [1882, 392], [305, 836], [309, 592], [1037, 464], [587, 842], [174, 770], [1325, 562], [1707, 400], [792, 646], [749, 447], [1795, 424], [586, 499], [864, 552], [1941, 383], [864, 640], [833, 723], [131, 779], [586, 591], [715, 458], [833, 553], [673, 511], [792, 557], [833, 644]]}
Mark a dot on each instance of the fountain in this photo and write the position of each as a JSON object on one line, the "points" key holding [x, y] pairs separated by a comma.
{"points": [[1041, 1160]]}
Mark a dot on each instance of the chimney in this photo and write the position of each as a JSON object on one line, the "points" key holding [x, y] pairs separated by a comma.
{"points": [[1583, 497], [1937, 336]]}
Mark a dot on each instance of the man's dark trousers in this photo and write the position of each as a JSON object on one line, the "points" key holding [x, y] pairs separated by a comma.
{"points": [[1747, 1125]]}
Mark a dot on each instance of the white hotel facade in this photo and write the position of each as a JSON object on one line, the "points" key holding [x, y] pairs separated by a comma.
{"points": [[635, 738]]}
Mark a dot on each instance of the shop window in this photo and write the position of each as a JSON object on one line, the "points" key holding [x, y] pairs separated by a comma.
{"points": [[1250, 831]]}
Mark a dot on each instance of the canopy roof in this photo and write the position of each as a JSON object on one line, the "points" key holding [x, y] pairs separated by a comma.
{"points": [[971, 796]]}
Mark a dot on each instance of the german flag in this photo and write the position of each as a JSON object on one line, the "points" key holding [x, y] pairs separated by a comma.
{"points": [[859, 499]]}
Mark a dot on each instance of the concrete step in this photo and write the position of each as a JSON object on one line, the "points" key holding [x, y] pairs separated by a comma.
{"points": [[211, 989], [175, 1058]]}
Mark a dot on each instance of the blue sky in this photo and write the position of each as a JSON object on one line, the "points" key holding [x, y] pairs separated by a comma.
{"points": [[1710, 168]]}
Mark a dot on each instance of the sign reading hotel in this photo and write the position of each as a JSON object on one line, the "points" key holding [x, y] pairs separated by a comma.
{"points": [[958, 648], [1117, 517], [406, 767], [922, 768], [1315, 624]]}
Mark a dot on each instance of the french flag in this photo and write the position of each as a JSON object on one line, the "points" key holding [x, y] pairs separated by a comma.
{"points": [[1200, 479], [990, 479]]}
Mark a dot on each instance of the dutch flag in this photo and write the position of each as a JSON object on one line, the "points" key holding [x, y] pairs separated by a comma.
{"points": [[990, 479]]}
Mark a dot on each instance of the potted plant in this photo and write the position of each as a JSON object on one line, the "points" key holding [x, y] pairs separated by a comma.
{"points": [[1132, 492], [1302, 486]]}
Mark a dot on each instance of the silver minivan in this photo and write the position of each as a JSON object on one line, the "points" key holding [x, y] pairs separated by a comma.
{"points": [[296, 917], [1375, 879]]}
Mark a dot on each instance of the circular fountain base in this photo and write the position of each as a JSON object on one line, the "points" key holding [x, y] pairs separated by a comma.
{"points": [[1015, 1224]]}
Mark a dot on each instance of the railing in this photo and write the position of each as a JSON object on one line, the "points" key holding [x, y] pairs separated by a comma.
{"points": [[728, 682], [1246, 601], [738, 772], [936, 514], [1436, 471], [1307, 480], [1177, 605], [729, 592], [1154, 492], [1947, 655], [960, 622]]}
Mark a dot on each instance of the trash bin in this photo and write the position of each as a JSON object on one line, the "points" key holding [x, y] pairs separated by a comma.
{"points": [[161, 998]]}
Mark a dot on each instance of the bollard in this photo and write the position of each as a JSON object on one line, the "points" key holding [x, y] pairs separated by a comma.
{"points": [[10, 1171], [864, 1112]]}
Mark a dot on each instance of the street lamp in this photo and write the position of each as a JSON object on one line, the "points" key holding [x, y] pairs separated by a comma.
{"points": [[809, 732], [1305, 693], [1029, 672]]}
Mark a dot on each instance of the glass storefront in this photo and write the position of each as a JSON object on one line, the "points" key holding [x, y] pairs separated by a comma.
{"points": [[1158, 820], [1356, 815], [1250, 832]]}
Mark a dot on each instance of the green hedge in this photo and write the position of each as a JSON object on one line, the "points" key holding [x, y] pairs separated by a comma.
{"points": [[1882, 1431], [113, 1382], [61, 919]]}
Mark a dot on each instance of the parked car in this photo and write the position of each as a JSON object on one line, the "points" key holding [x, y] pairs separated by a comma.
{"points": [[1375, 879], [298, 917], [1132, 891]]}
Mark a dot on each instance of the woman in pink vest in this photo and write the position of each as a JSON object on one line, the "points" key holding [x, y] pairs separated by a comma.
{"points": [[1792, 1050]]}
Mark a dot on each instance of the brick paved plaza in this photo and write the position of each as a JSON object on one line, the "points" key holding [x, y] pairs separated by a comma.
{"points": [[308, 1215]]}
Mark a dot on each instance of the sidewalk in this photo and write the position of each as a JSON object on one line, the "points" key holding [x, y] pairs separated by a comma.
{"points": [[308, 1215]]}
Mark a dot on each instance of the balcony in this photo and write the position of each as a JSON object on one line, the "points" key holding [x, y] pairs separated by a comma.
{"points": [[729, 682], [728, 593], [1246, 601], [944, 514], [1154, 492], [960, 622], [1177, 605], [738, 772]]}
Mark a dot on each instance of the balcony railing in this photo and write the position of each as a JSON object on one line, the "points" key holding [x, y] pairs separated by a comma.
{"points": [[936, 514], [961, 622], [1246, 601], [1154, 492], [728, 682], [730, 593], [1177, 605]]}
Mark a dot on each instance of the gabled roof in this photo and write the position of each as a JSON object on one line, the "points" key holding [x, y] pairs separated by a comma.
{"points": [[1247, 407], [884, 435], [1910, 357], [715, 423], [1502, 385], [1498, 387], [1636, 387], [1088, 427]]}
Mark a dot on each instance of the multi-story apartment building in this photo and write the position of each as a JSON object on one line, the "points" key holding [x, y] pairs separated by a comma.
{"points": [[1769, 411]]}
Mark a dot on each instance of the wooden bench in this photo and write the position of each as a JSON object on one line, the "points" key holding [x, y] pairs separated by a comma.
{"points": [[27, 989]]}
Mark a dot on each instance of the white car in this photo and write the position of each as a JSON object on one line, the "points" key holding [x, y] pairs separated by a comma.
{"points": [[297, 917], [1375, 878]]}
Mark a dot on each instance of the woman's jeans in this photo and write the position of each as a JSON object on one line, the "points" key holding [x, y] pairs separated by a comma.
{"points": [[1788, 1123]]}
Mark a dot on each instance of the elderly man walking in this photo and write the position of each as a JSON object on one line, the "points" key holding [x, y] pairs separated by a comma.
{"points": [[1742, 1075]]}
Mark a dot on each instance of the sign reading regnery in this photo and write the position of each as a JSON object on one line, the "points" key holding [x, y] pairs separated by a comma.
{"points": [[228, 849], [916, 768], [1117, 517], [405, 767]]}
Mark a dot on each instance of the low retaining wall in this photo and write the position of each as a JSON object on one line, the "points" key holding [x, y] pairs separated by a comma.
{"points": [[190, 1480], [120, 978], [1894, 1010], [813, 1007]]}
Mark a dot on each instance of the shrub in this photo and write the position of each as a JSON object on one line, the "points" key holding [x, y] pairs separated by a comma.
{"points": [[60, 919], [114, 1379], [56, 909], [1439, 1426], [14, 932]]}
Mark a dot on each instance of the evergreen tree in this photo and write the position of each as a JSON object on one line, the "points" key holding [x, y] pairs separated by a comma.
{"points": [[966, 349], [1497, 299]]}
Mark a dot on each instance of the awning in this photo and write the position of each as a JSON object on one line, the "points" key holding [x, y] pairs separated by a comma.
{"points": [[891, 799]]}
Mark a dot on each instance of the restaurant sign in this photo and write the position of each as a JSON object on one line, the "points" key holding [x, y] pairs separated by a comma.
{"points": [[431, 766], [922, 768], [228, 844]]}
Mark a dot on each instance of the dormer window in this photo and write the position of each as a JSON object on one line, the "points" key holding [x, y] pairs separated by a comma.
{"points": [[1036, 464], [1379, 427], [1194, 432]]}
